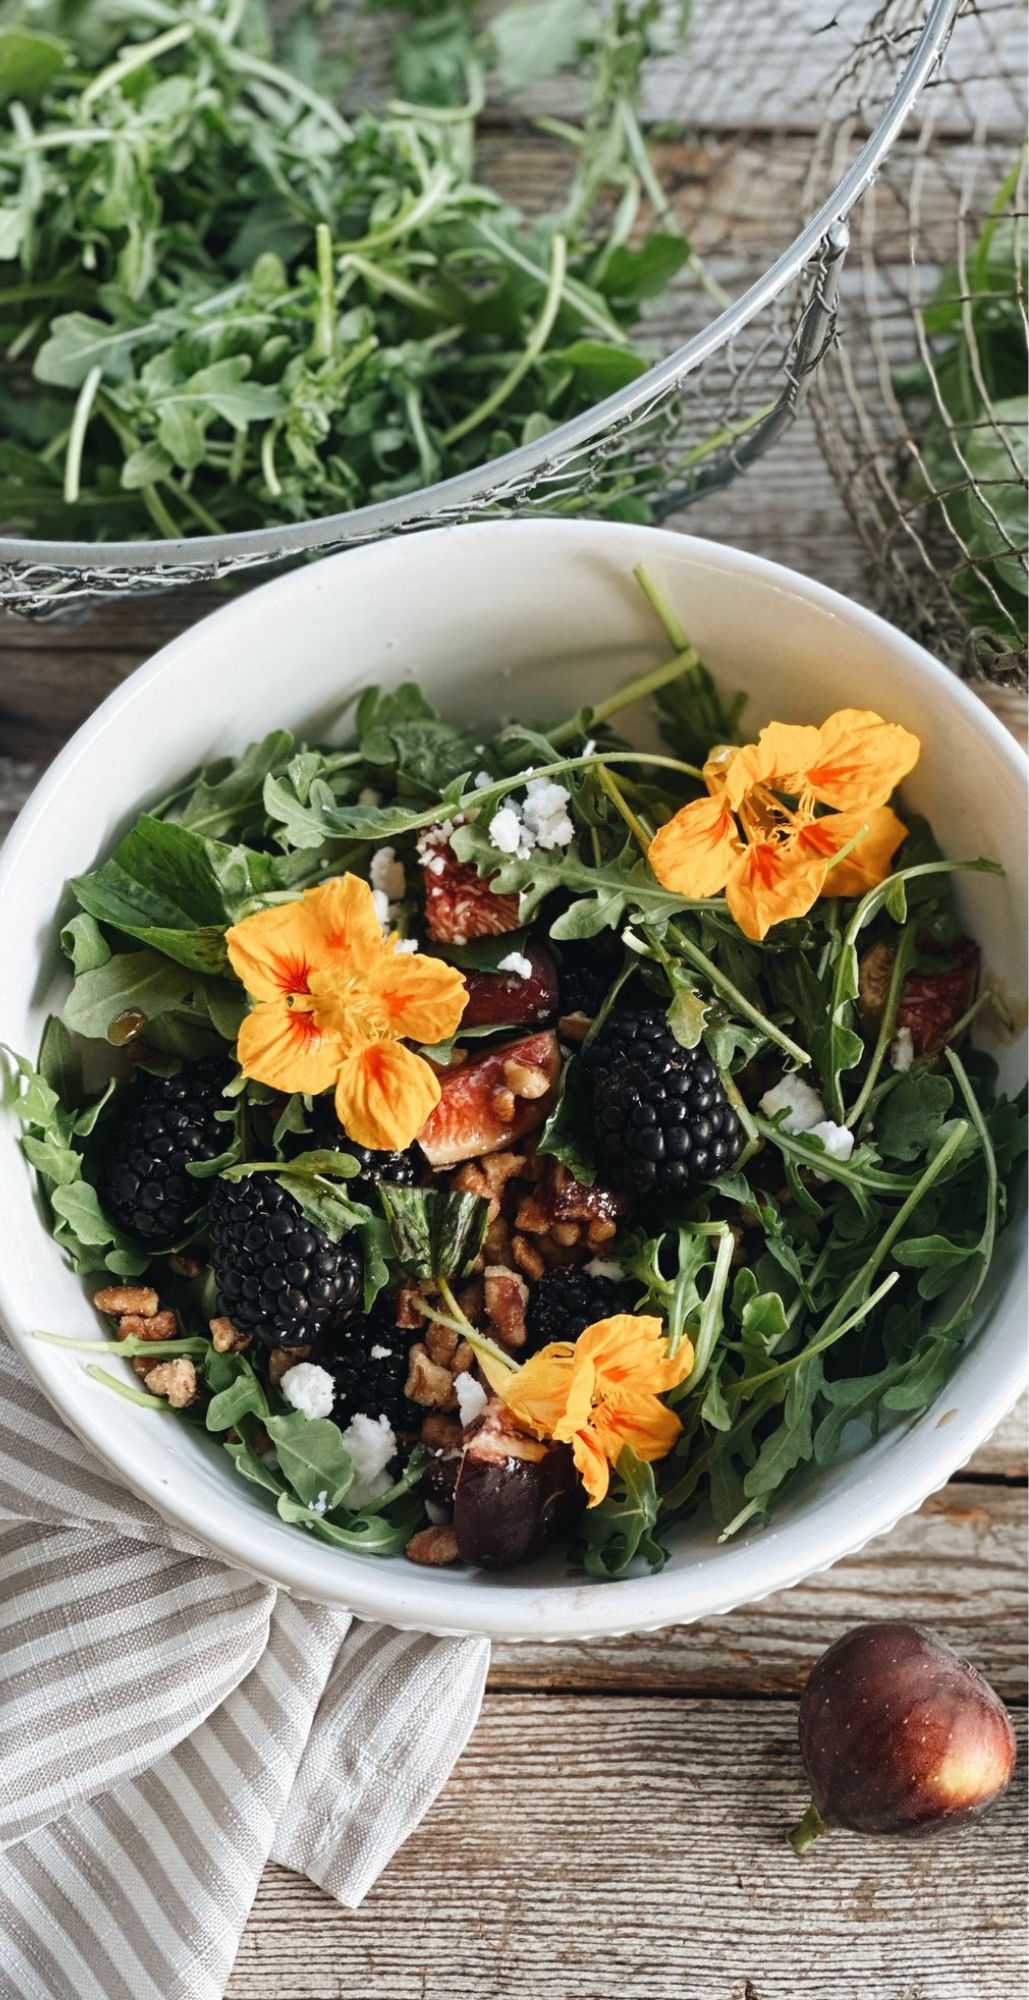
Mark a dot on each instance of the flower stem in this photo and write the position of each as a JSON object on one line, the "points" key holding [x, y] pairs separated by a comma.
{"points": [[140, 1396], [806, 1832], [725, 987], [898, 972], [619, 801]]}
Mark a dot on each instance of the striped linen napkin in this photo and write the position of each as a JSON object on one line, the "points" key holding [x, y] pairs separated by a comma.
{"points": [[168, 1723]]}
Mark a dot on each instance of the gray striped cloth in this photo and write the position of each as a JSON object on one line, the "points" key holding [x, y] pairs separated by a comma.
{"points": [[168, 1723]]}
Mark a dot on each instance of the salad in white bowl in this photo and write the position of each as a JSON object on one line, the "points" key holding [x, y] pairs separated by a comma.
{"points": [[496, 1137]]}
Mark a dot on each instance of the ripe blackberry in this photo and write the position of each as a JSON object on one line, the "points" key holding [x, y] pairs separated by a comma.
{"points": [[663, 1122], [401, 1169], [564, 1303], [278, 1275], [143, 1184], [368, 1361], [585, 974]]}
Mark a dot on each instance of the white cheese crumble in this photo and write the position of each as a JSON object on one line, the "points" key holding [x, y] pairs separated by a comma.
{"points": [[371, 1444], [545, 813], [803, 1105], [379, 1353], [471, 1397], [387, 874], [508, 834], [838, 1140], [902, 1050], [406, 944], [483, 780], [605, 1267], [517, 962], [318, 1506], [437, 1515], [381, 902], [309, 1389]]}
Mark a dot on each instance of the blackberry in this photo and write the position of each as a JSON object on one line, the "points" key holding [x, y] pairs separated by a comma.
{"points": [[368, 1361], [663, 1122], [564, 1303], [169, 1120], [401, 1169], [278, 1275], [585, 975]]}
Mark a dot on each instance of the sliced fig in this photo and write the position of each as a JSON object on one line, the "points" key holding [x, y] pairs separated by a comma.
{"points": [[899, 1735], [513, 1492], [459, 904], [513, 999], [492, 1101], [931, 1003]]}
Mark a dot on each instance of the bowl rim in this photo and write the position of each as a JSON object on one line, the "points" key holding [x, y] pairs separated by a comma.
{"points": [[247, 547], [576, 1608]]}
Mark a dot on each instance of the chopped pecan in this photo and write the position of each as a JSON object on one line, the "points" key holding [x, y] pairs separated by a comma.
{"points": [[433, 1548], [496, 1247], [407, 1310], [226, 1338], [574, 1028], [440, 1342], [506, 1297], [525, 1080], [148, 1326], [462, 1359], [185, 1264], [505, 1105], [117, 1299], [527, 1257], [175, 1380], [283, 1358], [428, 1382], [599, 1232], [440, 1433], [470, 1300]]}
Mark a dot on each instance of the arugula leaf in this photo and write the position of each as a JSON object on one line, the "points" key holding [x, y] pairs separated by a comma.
{"points": [[610, 1537], [312, 1457], [909, 1118]]}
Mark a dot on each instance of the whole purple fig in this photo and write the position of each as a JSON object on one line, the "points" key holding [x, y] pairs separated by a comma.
{"points": [[899, 1735], [512, 1492]]}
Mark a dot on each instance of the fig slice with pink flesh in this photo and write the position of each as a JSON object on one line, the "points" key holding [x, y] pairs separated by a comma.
{"points": [[513, 999], [492, 1101]]}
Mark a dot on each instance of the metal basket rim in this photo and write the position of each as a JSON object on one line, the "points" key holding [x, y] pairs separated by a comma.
{"points": [[479, 483]]}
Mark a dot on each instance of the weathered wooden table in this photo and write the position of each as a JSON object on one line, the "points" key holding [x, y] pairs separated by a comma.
{"points": [[613, 1831]]}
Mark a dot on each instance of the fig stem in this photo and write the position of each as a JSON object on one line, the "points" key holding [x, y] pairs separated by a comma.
{"points": [[806, 1832]]}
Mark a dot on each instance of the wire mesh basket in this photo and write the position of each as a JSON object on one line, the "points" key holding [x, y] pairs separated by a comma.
{"points": [[921, 410], [735, 124]]}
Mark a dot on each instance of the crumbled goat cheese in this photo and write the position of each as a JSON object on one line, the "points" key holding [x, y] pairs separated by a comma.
{"points": [[517, 962], [605, 1267], [379, 1353], [381, 902], [902, 1050], [482, 780], [471, 1397], [438, 1516], [309, 1389], [318, 1506], [507, 832], [838, 1141], [545, 813], [369, 797], [437, 865], [406, 944], [387, 873], [371, 1444], [803, 1105]]}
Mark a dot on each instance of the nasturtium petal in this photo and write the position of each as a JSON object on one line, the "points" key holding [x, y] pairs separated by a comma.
{"points": [[348, 927], [414, 996], [861, 759], [778, 759], [693, 854], [287, 1049], [273, 951], [869, 861], [771, 881], [384, 1094]]}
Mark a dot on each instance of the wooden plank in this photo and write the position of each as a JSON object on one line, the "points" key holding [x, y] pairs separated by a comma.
{"points": [[592, 1849], [958, 1566]]}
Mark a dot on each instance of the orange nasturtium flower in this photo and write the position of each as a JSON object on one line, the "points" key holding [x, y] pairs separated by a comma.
{"points": [[334, 1002], [598, 1393], [758, 836]]}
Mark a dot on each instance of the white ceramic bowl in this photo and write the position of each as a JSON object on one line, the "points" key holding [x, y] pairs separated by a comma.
{"points": [[501, 619]]}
